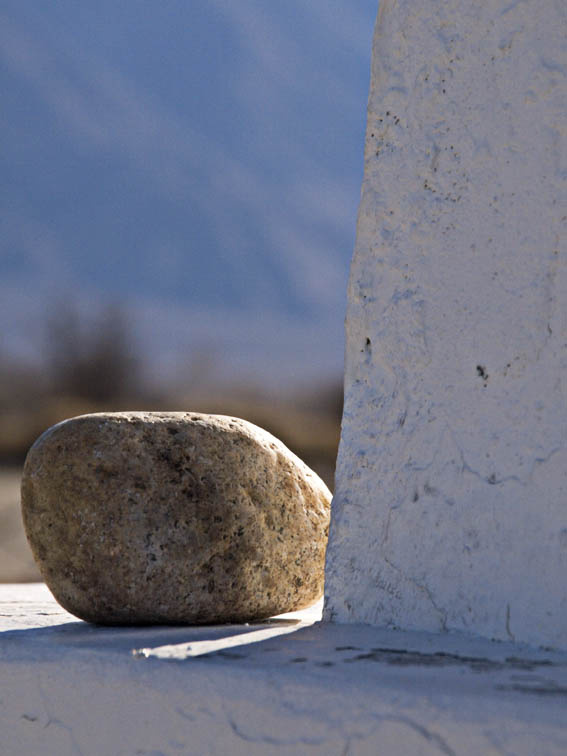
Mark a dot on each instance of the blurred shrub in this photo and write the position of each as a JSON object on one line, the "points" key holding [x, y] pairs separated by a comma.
{"points": [[93, 360], [93, 365]]}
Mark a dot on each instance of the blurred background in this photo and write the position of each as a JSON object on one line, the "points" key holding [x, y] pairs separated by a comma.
{"points": [[180, 182]]}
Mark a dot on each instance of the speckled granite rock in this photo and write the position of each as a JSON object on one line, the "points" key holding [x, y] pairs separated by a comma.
{"points": [[173, 518]]}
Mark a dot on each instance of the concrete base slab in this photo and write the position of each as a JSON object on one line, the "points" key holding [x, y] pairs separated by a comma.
{"points": [[288, 686]]}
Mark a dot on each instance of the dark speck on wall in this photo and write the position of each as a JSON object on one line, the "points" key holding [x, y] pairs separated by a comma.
{"points": [[482, 373]]}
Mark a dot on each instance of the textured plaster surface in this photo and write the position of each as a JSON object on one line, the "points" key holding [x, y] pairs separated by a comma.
{"points": [[451, 488], [73, 689], [173, 517]]}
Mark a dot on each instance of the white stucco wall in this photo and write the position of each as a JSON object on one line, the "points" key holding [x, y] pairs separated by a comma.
{"points": [[451, 493]]}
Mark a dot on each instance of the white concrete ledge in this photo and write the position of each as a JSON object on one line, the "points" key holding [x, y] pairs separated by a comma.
{"points": [[68, 687]]}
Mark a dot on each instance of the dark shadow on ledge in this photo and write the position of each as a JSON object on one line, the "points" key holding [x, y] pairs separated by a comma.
{"points": [[87, 636]]}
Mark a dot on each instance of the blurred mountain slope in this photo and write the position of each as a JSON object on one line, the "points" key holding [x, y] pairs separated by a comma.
{"points": [[200, 162]]}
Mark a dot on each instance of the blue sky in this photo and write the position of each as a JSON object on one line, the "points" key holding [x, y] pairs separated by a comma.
{"points": [[198, 162]]}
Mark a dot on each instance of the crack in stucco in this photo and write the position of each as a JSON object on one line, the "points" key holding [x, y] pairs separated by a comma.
{"points": [[424, 589], [51, 720], [271, 740], [551, 300], [508, 630], [267, 739], [386, 535], [432, 737], [186, 715], [495, 744], [491, 479], [538, 461], [425, 732]]}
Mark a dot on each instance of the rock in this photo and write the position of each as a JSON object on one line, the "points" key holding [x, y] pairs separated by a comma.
{"points": [[139, 518]]}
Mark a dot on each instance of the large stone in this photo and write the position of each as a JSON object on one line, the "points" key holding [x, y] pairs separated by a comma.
{"points": [[173, 518]]}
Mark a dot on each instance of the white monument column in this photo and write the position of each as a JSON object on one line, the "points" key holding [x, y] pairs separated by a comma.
{"points": [[450, 510]]}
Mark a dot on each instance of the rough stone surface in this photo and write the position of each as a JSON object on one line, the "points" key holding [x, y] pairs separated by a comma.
{"points": [[173, 518], [451, 489]]}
